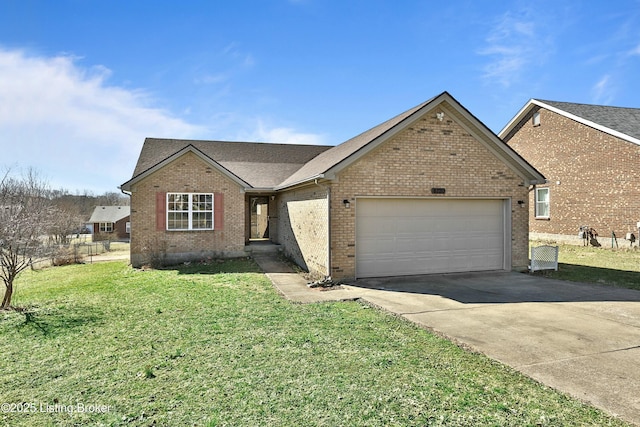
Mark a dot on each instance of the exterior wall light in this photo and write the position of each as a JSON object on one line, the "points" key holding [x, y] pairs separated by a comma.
{"points": [[521, 203], [346, 203]]}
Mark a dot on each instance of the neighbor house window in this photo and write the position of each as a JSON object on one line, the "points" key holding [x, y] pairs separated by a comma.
{"points": [[106, 227], [127, 227], [542, 203], [190, 211]]}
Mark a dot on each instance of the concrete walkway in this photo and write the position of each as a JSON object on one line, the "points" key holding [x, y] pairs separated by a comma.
{"points": [[293, 286], [581, 339]]}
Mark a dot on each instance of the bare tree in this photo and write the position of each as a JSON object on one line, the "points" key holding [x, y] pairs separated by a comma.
{"points": [[63, 224], [25, 216], [111, 198]]}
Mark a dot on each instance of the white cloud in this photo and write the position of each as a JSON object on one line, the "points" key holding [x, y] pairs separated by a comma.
{"points": [[635, 51], [212, 78], [67, 122], [281, 135], [603, 92], [513, 44], [233, 51]]}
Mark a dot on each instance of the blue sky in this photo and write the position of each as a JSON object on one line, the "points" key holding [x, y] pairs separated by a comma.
{"points": [[83, 82]]}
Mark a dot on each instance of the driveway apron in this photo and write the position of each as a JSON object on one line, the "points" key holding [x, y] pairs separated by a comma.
{"points": [[578, 338]]}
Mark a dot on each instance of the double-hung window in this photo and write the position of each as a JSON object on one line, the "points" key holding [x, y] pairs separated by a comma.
{"points": [[189, 211], [106, 227], [542, 202]]}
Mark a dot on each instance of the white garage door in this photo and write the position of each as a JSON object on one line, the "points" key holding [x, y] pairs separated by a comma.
{"points": [[422, 236]]}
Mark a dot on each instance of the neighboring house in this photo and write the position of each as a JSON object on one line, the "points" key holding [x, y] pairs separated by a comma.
{"points": [[111, 222], [431, 190], [590, 155]]}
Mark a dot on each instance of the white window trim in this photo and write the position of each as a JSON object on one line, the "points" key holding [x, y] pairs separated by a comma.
{"points": [[190, 212], [548, 202], [105, 227]]}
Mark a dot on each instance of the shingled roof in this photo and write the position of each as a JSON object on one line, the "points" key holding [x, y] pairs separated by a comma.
{"points": [[280, 166], [260, 165], [109, 213], [618, 121]]}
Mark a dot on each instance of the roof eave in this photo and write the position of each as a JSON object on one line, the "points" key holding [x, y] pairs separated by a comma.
{"points": [[495, 144], [516, 119], [300, 182], [534, 102], [385, 136]]}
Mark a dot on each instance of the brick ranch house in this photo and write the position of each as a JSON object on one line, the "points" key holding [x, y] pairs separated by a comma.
{"points": [[110, 223], [590, 155], [431, 190]]}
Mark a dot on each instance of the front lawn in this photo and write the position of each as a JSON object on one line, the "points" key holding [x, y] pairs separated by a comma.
{"points": [[602, 265], [215, 345]]}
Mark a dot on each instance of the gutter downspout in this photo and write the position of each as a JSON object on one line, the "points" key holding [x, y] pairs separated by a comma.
{"points": [[124, 192], [328, 188]]}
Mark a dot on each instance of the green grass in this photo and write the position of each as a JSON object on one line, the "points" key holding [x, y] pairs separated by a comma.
{"points": [[602, 265], [215, 345]]}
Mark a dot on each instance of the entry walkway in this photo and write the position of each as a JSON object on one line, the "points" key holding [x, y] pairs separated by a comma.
{"points": [[581, 339], [292, 285]]}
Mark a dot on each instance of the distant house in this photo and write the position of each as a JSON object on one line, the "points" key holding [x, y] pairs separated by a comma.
{"points": [[111, 223], [431, 190], [590, 155]]}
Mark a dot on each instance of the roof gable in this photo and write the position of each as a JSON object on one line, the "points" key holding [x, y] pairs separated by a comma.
{"points": [[621, 122], [249, 164], [327, 164]]}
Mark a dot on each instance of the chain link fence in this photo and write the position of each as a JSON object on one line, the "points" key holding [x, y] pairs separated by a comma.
{"points": [[75, 253]]}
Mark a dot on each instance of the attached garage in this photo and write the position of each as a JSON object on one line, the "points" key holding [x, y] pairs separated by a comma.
{"points": [[405, 236]]}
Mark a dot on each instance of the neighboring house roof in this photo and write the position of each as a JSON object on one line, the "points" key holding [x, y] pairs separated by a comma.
{"points": [[621, 122], [109, 213], [279, 166]]}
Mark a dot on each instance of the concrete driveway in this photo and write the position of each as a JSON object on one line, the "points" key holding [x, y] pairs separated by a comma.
{"points": [[580, 339]]}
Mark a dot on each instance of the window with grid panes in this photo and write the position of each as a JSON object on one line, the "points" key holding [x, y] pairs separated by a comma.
{"points": [[189, 211]]}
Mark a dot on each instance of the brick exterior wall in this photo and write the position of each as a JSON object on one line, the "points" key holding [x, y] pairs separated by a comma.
{"points": [[430, 153], [119, 231], [592, 176], [188, 174], [302, 230]]}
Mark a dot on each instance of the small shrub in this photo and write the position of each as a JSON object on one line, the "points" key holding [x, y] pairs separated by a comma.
{"points": [[148, 372], [66, 255], [155, 252]]}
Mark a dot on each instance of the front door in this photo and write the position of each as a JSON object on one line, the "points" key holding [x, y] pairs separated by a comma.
{"points": [[259, 217]]}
